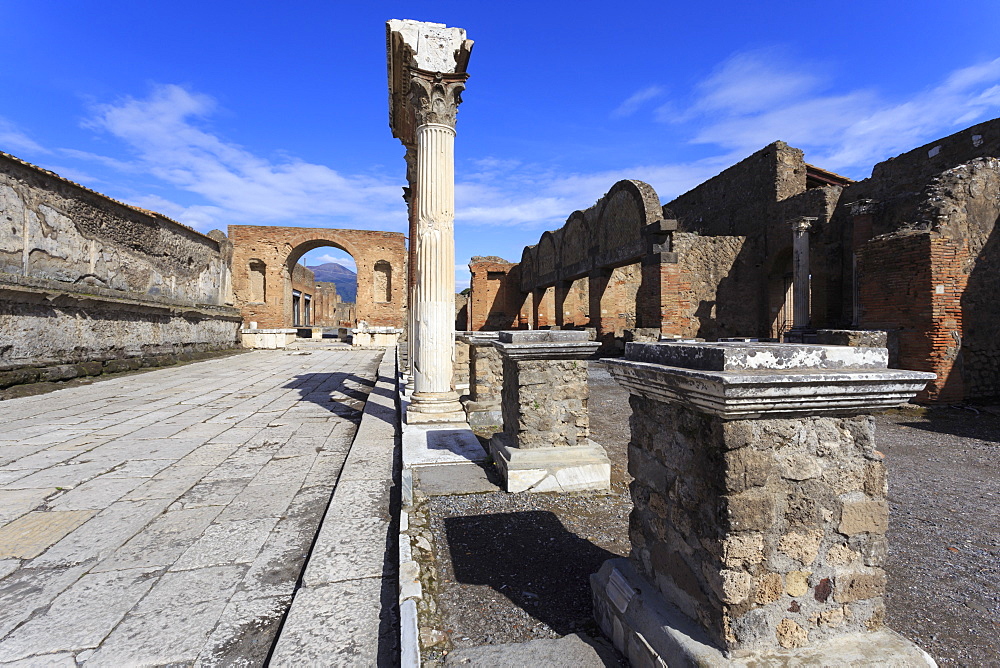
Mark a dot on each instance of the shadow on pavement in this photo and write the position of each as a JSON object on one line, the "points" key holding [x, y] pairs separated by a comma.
{"points": [[530, 558]]}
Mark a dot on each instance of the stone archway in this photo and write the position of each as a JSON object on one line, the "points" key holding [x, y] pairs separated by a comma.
{"points": [[275, 251]]}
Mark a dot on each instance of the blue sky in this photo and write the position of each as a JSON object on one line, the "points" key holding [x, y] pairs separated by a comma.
{"points": [[219, 112]]}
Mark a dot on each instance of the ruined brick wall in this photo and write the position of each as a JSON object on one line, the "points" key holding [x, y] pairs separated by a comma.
{"points": [[86, 278], [719, 288], [325, 300], [494, 299], [304, 281], [917, 298], [933, 213], [461, 313], [279, 248], [747, 208]]}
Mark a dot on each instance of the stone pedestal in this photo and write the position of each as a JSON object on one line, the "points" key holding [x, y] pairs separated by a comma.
{"points": [[544, 446], [377, 337], [760, 512], [482, 406]]}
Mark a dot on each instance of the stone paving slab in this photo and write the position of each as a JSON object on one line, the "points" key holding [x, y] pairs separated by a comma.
{"points": [[31, 534], [165, 517]]}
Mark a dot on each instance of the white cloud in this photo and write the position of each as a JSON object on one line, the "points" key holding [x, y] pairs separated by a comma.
{"points": [[16, 142], [753, 100], [635, 101], [164, 133], [751, 82]]}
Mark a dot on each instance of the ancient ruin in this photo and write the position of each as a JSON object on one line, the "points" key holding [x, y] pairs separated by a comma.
{"points": [[717, 262], [310, 501], [265, 281]]}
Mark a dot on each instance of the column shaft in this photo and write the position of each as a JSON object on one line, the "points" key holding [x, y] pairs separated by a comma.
{"points": [[800, 277], [434, 290]]}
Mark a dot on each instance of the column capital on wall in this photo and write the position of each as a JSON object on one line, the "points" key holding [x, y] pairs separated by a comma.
{"points": [[803, 223]]}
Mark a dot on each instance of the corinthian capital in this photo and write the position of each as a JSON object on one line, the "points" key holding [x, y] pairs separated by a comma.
{"points": [[435, 96]]}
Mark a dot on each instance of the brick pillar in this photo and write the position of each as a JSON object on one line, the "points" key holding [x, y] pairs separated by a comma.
{"points": [[760, 507], [658, 296], [544, 446]]}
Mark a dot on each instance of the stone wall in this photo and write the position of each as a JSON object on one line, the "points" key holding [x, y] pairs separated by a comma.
{"points": [[934, 211], [763, 531], [326, 300], [721, 296], [304, 281], [743, 197], [84, 278], [538, 416], [56, 230]]}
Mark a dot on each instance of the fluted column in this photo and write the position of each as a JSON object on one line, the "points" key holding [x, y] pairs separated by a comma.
{"points": [[436, 99]]}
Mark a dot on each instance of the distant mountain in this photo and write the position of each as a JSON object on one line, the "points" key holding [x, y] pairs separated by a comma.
{"points": [[345, 279]]}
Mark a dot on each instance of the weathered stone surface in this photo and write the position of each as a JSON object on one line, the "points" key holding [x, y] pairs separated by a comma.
{"points": [[545, 403], [802, 547], [857, 586], [306, 636], [790, 634], [31, 534], [104, 592], [82, 616], [740, 523], [862, 514]]}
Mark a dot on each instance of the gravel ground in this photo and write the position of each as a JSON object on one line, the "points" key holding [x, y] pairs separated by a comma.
{"points": [[513, 568]]}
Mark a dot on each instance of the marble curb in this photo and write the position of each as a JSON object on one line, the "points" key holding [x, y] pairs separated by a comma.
{"points": [[555, 469]]}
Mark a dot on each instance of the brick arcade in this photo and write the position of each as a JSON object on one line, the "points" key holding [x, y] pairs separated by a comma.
{"points": [[910, 250]]}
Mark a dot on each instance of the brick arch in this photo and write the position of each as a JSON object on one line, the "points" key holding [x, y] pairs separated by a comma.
{"points": [[281, 247], [625, 209]]}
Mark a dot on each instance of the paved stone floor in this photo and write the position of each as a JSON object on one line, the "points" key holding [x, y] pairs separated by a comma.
{"points": [[164, 517]]}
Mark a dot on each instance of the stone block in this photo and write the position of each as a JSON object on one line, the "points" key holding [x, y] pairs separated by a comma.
{"points": [[863, 514], [750, 511], [18, 377], [562, 469], [858, 586], [651, 632]]}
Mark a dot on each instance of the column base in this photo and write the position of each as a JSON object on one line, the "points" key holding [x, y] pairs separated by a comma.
{"points": [[434, 407], [557, 469], [649, 631]]}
